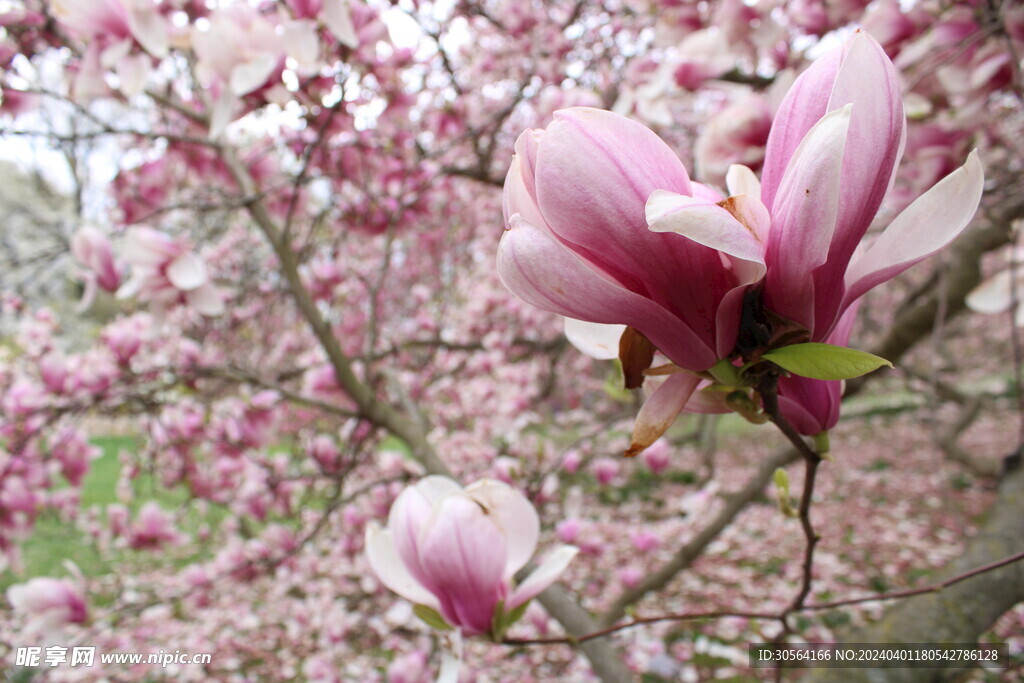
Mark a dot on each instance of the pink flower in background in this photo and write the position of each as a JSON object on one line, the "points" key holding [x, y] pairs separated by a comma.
{"points": [[165, 271], [48, 603], [456, 550], [153, 527], [92, 249]]}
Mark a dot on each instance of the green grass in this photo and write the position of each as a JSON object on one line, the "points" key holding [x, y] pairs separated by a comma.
{"points": [[53, 540]]}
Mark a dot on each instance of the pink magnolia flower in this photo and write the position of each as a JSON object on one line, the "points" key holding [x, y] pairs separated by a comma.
{"points": [[48, 603], [153, 527], [579, 243], [165, 271], [456, 550], [92, 249]]}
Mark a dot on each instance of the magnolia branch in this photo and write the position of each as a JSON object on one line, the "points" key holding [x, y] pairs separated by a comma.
{"points": [[725, 614], [608, 664]]}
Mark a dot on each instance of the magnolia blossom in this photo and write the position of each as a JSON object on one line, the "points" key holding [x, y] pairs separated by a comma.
{"points": [[48, 603], [92, 249], [605, 226], [456, 550], [165, 271]]}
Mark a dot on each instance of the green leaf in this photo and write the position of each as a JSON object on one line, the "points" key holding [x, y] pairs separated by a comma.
{"points": [[431, 618], [824, 361], [516, 614]]}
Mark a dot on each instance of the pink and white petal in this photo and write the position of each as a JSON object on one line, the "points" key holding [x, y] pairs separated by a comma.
{"points": [[661, 409], [520, 191], [205, 300], [930, 223], [739, 179], [867, 80], [133, 285], [597, 340], [804, 217], [392, 572], [993, 295], [462, 551], [338, 19], [553, 566], [705, 193], [187, 271], [149, 28], [707, 401], [706, 224], [751, 213], [542, 272], [253, 74], [515, 516], [802, 107], [148, 247], [408, 515]]}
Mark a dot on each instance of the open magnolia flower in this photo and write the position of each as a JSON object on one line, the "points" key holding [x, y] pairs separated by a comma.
{"points": [[454, 551], [165, 272], [605, 226]]}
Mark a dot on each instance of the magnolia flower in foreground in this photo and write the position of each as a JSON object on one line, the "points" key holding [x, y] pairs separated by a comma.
{"points": [[605, 226], [165, 271], [456, 550]]}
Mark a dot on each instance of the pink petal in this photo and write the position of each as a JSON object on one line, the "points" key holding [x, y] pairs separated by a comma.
{"points": [[147, 247], [804, 217], [706, 224], [741, 180], [253, 74], [520, 193], [463, 553], [392, 572], [187, 271], [543, 576], [205, 300], [409, 512], [594, 173], [803, 106], [539, 270], [661, 409], [338, 19], [930, 223], [514, 515]]}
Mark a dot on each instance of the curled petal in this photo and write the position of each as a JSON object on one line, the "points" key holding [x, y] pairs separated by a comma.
{"points": [[392, 572], [187, 271], [741, 180], [147, 247], [543, 576], [409, 513], [930, 223], [594, 339], [804, 217], [661, 409], [514, 515], [539, 270], [707, 224]]}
